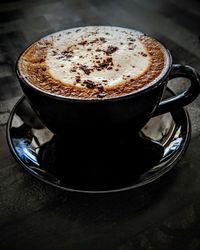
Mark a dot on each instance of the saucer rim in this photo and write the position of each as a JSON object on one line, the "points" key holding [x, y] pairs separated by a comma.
{"points": [[175, 159]]}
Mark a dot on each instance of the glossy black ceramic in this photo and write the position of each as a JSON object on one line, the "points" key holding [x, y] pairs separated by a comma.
{"points": [[102, 166], [62, 114]]}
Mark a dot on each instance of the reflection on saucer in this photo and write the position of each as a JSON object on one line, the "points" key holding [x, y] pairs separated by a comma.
{"points": [[158, 128]]}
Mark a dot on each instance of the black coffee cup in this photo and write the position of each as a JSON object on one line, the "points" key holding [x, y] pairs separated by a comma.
{"points": [[63, 115]]}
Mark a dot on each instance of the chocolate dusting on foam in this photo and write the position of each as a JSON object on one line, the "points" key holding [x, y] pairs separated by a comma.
{"points": [[67, 54], [106, 63], [85, 69], [143, 54], [92, 85], [102, 39], [89, 84], [99, 40], [78, 79], [35, 69], [100, 87], [98, 65], [110, 50]]}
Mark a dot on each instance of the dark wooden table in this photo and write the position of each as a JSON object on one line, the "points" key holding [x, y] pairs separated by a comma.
{"points": [[164, 215]]}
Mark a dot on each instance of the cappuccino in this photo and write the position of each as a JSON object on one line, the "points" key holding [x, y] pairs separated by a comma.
{"points": [[94, 62]]}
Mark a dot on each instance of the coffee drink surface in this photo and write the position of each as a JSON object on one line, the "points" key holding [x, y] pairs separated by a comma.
{"points": [[94, 62]]}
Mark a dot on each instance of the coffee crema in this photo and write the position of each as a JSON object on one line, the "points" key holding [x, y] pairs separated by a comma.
{"points": [[94, 62]]}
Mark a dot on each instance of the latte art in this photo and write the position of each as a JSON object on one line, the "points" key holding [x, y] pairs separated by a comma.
{"points": [[93, 62]]}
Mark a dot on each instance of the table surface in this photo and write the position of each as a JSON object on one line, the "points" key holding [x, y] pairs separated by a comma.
{"points": [[163, 215]]}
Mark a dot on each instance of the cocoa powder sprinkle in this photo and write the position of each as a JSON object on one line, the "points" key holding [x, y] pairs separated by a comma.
{"points": [[111, 49], [73, 70], [89, 84], [54, 53], [86, 70], [102, 39], [82, 43], [100, 88], [78, 79], [143, 54]]}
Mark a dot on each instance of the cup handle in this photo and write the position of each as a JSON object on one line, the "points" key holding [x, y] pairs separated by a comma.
{"points": [[183, 98]]}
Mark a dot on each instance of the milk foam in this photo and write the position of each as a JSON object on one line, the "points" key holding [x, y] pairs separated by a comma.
{"points": [[79, 55]]}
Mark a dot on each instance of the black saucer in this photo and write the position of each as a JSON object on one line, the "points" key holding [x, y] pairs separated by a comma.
{"points": [[97, 166]]}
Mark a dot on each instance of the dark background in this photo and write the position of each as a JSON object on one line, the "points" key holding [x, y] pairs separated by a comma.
{"points": [[163, 215]]}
